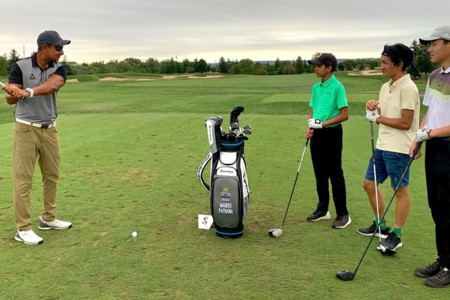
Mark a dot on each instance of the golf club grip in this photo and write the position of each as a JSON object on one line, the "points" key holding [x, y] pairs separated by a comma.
{"points": [[372, 141]]}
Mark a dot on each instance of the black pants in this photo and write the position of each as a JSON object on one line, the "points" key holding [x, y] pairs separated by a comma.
{"points": [[326, 154], [437, 171]]}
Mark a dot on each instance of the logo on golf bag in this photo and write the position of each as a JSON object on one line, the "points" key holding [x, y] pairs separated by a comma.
{"points": [[225, 195]]}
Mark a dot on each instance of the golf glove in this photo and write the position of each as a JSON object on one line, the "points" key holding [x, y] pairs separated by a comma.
{"points": [[423, 134], [372, 115], [315, 124]]}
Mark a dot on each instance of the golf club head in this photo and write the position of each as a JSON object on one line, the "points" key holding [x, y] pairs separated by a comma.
{"points": [[345, 275], [234, 126], [276, 232], [247, 129], [385, 251], [231, 136], [214, 130]]}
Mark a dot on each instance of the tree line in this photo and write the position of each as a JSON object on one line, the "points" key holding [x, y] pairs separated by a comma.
{"points": [[224, 66]]}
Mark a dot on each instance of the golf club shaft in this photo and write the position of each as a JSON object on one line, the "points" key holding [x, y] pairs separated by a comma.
{"points": [[418, 145], [295, 182], [375, 178]]}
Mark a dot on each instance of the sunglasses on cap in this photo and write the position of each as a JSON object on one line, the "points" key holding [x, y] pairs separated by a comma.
{"points": [[58, 47]]}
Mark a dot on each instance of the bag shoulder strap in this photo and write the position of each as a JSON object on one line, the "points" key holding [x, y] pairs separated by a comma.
{"points": [[200, 170]]}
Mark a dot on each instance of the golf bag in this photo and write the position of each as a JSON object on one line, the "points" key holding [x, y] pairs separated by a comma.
{"points": [[229, 190]]}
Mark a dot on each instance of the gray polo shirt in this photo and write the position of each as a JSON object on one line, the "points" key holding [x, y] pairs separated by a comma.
{"points": [[42, 108]]}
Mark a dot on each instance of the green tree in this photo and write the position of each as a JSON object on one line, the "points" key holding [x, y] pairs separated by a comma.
{"points": [[288, 68], [373, 63], [422, 58], [152, 65], [13, 57], [260, 69], [299, 66], [70, 70], [169, 66], [223, 66], [201, 66], [185, 66], [246, 66], [277, 66], [3, 65], [349, 64]]}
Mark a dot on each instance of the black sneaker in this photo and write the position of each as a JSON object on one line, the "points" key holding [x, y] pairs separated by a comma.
{"points": [[440, 280], [342, 222], [369, 231], [391, 243], [319, 215], [428, 271]]}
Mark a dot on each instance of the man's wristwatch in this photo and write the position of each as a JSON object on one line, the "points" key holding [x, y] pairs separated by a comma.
{"points": [[31, 91]]}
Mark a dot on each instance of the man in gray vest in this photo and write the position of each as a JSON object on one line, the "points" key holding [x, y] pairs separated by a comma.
{"points": [[33, 85]]}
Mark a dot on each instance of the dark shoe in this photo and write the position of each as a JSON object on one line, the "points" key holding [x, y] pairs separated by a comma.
{"points": [[319, 215], [369, 231], [391, 243], [342, 222], [428, 271], [440, 280]]}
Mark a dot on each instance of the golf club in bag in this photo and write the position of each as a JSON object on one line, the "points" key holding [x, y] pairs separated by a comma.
{"points": [[277, 232], [349, 275], [229, 190]]}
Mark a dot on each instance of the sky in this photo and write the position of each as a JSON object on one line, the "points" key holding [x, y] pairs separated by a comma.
{"points": [[105, 30]]}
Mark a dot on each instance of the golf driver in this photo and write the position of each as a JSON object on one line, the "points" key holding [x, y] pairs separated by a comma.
{"points": [[277, 232], [349, 275]]}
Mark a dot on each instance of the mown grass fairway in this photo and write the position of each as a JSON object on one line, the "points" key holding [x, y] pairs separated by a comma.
{"points": [[130, 152]]}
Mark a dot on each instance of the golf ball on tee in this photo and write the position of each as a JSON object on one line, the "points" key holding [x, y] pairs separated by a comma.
{"points": [[134, 234]]}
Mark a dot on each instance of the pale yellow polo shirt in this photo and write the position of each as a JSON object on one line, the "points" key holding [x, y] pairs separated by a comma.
{"points": [[393, 98]]}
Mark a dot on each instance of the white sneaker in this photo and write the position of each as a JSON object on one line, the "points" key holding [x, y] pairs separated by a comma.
{"points": [[28, 237], [55, 224]]}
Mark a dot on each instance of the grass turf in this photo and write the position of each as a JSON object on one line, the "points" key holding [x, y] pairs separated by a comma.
{"points": [[130, 151]]}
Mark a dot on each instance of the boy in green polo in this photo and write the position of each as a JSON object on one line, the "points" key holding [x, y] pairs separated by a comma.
{"points": [[328, 109]]}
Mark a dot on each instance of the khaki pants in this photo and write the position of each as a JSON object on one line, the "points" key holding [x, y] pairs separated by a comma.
{"points": [[31, 144]]}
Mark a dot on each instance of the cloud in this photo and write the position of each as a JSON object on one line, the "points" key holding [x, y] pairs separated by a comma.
{"points": [[103, 30]]}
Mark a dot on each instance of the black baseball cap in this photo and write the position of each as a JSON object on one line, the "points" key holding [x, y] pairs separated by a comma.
{"points": [[51, 37], [399, 52], [326, 59]]}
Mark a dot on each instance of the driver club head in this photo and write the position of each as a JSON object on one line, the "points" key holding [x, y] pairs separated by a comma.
{"points": [[276, 232], [345, 275]]}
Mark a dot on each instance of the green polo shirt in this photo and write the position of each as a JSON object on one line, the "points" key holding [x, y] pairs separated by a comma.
{"points": [[327, 99]]}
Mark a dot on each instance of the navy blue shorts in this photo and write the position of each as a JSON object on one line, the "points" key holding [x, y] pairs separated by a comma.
{"points": [[389, 164]]}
